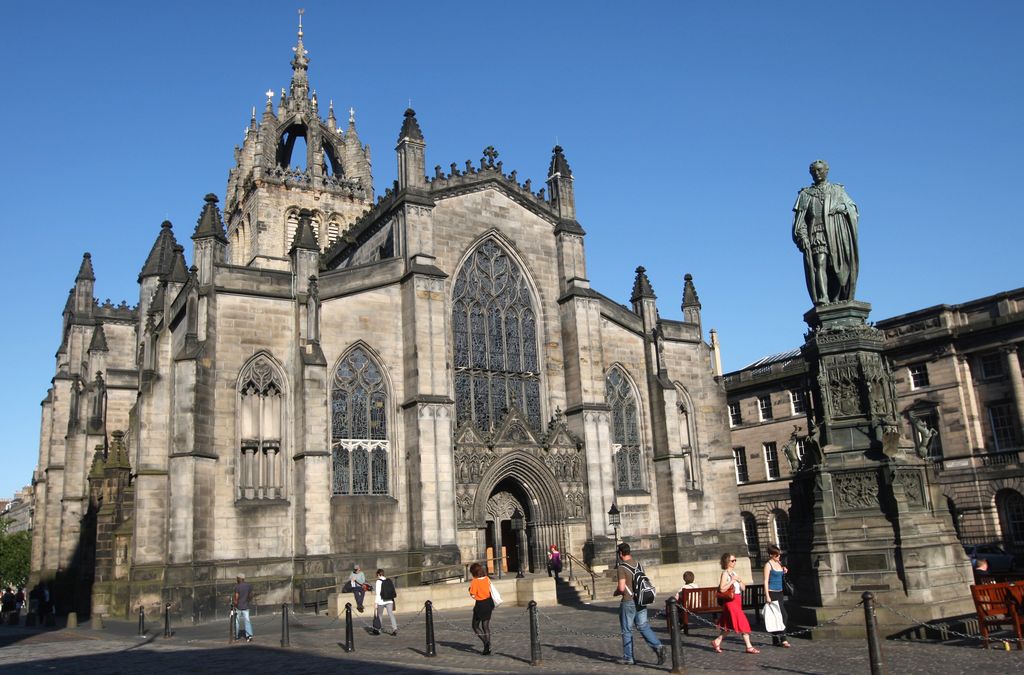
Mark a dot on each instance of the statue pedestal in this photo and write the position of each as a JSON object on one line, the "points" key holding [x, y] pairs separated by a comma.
{"points": [[866, 514]]}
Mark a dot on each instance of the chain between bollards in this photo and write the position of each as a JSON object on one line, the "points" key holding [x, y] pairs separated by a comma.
{"points": [[142, 621], [167, 620], [350, 642], [535, 656], [285, 642], [871, 626], [678, 665], [431, 645]]}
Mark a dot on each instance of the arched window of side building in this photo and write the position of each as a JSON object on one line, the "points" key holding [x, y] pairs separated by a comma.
{"points": [[360, 445], [261, 409], [620, 394], [1010, 505]]}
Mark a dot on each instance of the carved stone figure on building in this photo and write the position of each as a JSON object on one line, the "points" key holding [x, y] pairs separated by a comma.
{"points": [[923, 435], [790, 449], [825, 230]]}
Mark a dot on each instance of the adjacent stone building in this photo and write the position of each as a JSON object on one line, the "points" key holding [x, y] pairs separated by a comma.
{"points": [[342, 378], [961, 397], [19, 510]]}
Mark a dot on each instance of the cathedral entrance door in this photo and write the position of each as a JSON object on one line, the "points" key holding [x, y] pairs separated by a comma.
{"points": [[503, 542]]}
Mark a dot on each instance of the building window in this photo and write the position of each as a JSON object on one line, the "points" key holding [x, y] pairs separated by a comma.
{"points": [[628, 456], [771, 460], [798, 401], [359, 426], [260, 399], [291, 226], [750, 535], [494, 331], [764, 408], [992, 366], [735, 414], [1000, 418], [739, 456], [780, 527], [918, 375], [801, 449], [1010, 505]]}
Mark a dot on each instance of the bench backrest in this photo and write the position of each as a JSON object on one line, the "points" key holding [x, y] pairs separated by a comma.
{"points": [[703, 598], [992, 599]]}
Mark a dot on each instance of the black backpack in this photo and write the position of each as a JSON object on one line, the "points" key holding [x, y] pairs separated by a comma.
{"points": [[643, 588], [387, 590]]}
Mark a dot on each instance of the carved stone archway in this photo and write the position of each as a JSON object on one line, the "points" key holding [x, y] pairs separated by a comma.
{"points": [[544, 473]]}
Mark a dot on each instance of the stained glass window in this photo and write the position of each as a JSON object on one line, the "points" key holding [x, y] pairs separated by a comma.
{"points": [[625, 428], [495, 340], [359, 426]]}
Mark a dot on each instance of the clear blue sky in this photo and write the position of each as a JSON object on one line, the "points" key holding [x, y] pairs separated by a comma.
{"points": [[689, 127]]}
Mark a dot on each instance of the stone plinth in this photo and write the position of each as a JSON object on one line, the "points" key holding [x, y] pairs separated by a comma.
{"points": [[866, 513]]}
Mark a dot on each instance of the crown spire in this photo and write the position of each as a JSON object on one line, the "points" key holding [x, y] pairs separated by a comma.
{"points": [[300, 64]]}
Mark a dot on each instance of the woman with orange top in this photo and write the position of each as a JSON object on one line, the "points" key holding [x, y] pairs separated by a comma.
{"points": [[480, 590]]}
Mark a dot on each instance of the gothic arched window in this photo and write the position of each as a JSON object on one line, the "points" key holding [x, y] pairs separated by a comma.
{"points": [[495, 336], [629, 465], [261, 406], [359, 426]]}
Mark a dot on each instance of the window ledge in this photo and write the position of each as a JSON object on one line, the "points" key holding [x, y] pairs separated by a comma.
{"points": [[382, 498], [250, 502], [634, 491]]}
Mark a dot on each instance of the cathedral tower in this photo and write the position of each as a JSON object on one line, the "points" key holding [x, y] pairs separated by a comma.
{"points": [[293, 160]]}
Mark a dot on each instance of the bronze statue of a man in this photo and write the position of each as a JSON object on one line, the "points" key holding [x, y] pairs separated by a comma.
{"points": [[825, 230]]}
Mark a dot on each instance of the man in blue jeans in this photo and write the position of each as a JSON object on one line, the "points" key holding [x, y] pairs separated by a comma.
{"points": [[240, 599], [630, 614]]}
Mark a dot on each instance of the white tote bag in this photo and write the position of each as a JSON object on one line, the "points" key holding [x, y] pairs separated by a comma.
{"points": [[495, 596], [773, 617]]}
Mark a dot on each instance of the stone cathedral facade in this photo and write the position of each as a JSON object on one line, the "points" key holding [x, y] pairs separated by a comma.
{"points": [[342, 378]]}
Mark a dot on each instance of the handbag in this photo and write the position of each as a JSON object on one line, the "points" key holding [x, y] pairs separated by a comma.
{"points": [[773, 622], [347, 588], [495, 595], [726, 596], [787, 587]]}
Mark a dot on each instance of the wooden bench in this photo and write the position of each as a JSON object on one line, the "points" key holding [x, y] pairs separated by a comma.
{"points": [[998, 605], [704, 600]]}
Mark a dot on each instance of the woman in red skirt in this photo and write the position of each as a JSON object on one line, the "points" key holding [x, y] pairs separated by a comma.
{"points": [[732, 618]]}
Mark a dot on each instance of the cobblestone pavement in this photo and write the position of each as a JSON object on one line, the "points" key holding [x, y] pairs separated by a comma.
{"points": [[574, 640]]}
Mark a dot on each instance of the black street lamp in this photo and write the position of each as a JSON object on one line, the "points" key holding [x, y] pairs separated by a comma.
{"points": [[518, 525], [614, 520]]}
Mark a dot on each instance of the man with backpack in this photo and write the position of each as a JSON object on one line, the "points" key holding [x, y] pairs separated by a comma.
{"points": [[384, 590], [637, 591]]}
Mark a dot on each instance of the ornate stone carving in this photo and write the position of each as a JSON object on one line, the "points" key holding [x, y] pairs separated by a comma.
{"points": [[502, 505], [911, 482], [856, 490], [575, 502]]}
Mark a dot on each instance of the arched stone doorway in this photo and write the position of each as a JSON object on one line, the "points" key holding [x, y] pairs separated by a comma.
{"points": [[514, 468]]}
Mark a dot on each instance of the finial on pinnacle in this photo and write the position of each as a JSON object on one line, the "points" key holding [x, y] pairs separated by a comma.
{"points": [[301, 12], [351, 115]]}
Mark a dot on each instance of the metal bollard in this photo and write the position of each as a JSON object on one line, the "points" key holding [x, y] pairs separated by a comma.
{"points": [[535, 656], [142, 621], [871, 626], [350, 642], [678, 666], [431, 645], [167, 620], [232, 625], [285, 641]]}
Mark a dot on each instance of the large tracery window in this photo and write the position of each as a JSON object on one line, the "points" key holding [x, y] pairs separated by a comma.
{"points": [[495, 336], [260, 474], [359, 426], [625, 431]]}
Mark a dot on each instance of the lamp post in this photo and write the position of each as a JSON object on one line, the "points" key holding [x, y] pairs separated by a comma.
{"points": [[614, 520], [518, 525]]}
